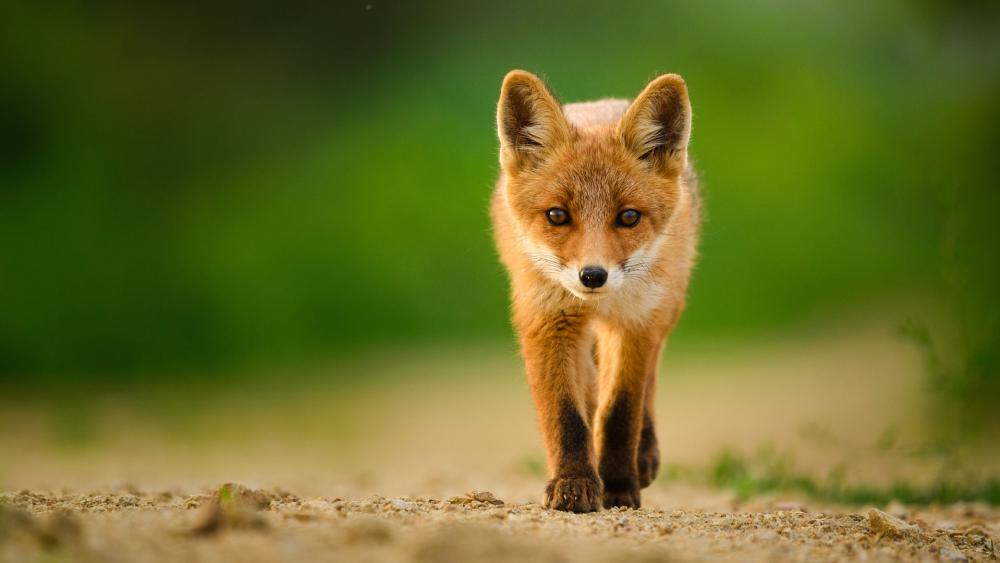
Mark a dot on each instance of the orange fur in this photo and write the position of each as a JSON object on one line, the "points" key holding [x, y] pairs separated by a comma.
{"points": [[591, 352]]}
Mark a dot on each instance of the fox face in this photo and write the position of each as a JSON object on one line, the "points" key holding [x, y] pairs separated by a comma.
{"points": [[591, 215], [592, 187]]}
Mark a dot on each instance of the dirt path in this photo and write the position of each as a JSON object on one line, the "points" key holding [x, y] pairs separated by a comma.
{"points": [[373, 467], [242, 524]]}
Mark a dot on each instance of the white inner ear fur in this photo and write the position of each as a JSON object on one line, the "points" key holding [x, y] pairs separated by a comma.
{"points": [[543, 124], [650, 134], [660, 118], [543, 130]]}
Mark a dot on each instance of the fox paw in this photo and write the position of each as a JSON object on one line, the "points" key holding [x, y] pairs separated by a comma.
{"points": [[624, 494], [649, 465], [580, 494]]}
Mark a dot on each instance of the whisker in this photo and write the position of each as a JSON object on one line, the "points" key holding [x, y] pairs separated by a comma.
{"points": [[545, 261], [630, 266]]}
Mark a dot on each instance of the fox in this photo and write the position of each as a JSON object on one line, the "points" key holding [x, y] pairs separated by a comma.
{"points": [[596, 215]]}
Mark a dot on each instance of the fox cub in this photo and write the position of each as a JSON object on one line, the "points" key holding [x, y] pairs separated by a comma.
{"points": [[595, 216]]}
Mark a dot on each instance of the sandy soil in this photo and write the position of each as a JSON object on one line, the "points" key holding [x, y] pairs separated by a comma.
{"points": [[381, 468], [263, 525]]}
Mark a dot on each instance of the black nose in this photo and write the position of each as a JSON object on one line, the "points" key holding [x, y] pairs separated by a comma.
{"points": [[593, 277]]}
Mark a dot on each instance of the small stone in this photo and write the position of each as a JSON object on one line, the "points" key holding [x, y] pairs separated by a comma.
{"points": [[952, 555], [232, 506], [318, 505], [974, 530], [484, 496], [250, 498], [887, 525]]}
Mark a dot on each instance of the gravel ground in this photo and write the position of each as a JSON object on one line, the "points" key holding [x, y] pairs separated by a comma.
{"points": [[237, 523], [372, 469]]}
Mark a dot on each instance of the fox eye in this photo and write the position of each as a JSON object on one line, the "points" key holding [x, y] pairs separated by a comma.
{"points": [[629, 218], [557, 216]]}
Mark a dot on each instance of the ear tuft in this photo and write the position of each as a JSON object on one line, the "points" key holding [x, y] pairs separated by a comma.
{"points": [[657, 126], [530, 121]]}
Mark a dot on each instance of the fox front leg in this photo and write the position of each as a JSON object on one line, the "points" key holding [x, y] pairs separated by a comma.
{"points": [[551, 348], [626, 360]]}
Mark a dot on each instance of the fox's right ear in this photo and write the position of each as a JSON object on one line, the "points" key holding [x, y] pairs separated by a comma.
{"points": [[530, 121]]}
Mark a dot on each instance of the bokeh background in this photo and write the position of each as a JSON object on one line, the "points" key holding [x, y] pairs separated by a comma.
{"points": [[202, 202]]}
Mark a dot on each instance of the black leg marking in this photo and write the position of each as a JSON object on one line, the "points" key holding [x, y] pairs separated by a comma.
{"points": [[649, 452], [576, 486], [574, 440], [617, 466]]}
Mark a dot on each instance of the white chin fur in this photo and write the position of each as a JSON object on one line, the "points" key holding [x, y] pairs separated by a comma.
{"points": [[630, 302], [587, 295]]}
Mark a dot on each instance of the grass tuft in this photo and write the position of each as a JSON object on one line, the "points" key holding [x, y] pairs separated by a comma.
{"points": [[749, 477]]}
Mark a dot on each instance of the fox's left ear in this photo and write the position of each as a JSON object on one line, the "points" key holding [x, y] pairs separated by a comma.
{"points": [[657, 126]]}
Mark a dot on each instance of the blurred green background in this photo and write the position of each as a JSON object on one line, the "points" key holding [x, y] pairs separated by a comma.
{"points": [[209, 187]]}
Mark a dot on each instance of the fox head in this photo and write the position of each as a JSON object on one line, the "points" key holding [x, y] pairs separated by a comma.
{"points": [[592, 187]]}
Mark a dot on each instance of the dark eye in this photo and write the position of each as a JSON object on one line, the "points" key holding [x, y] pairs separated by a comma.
{"points": [[557, 216], [629, 218]]}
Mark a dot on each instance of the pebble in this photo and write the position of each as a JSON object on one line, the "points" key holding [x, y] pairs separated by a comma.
{"points": [[952, 555], [402, 504], [484, 496], [889, 526]]}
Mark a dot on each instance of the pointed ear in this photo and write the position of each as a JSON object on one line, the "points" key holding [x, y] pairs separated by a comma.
{"points": [[657, 126], [530, 121]]}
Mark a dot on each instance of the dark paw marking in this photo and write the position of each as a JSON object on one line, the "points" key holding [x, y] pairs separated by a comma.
{"points": [[649, 453], [622, 494], [649, 465], [573, 494], [574, 437]]}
